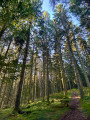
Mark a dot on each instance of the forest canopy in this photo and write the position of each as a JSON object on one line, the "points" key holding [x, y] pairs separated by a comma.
{"points": [[40, 56]]}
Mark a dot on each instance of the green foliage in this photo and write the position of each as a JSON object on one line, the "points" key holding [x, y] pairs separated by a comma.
{"points": [[69, 92], [85, 104], [76, 2], [48, 48], [81, 10], [57, 95], [42, 111], [39, 110], [4, 114]]}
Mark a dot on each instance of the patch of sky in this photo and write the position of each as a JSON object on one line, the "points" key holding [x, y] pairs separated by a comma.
{"points": [[47, 7]]}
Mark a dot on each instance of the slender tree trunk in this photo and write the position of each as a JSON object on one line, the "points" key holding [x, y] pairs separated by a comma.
{"points": [[12, 81], [75, 68], [4, 92], [84, 72], [2, 31], [62, 69], [47, 81], [1, 82], [69, 84], [2, 48], [6, 53], [47, 77], [18, 96], [31, 71], [43, 81], [34, 88], [60, 80], [10, 92], [40, 83]]}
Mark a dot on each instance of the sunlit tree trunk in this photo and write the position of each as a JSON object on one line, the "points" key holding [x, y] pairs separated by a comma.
{"points": [[47, 79], [84, 72], [62, 68], [47, 60], [43, 81], [34, 91], [76, 70], [30, 80]]}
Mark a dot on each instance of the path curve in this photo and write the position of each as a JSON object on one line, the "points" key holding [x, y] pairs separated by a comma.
{"points": [[74, 113]]}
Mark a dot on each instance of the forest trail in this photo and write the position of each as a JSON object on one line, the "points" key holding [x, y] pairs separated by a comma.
{"points": [[74, 113]]}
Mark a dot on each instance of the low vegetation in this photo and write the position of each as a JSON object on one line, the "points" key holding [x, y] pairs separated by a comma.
{"points": [[53, 110], [85, 103], [38, 110], [44, 59]]}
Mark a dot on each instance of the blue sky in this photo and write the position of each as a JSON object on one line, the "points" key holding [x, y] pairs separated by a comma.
{"points": [[47, 7]]}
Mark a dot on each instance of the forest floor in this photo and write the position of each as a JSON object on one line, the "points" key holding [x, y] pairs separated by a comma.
{"points": [[74, 113], [57, 109]]}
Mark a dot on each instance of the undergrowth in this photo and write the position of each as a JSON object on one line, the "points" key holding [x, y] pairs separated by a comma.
{"points": [[39, 110]]}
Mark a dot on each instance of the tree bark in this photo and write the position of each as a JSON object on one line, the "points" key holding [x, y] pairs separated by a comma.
{"points": [[47, 79], [6, 53], [2, 31], [31, 71], [43, 81], [62, 69], [75, 68], [18, 96], [84, 72]]}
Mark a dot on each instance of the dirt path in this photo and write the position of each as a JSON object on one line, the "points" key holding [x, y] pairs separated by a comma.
{"points": [[74, 113]]}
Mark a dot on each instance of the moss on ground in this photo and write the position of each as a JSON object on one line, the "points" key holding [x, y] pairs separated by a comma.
{"points": [[39, 110], [85, 103]]}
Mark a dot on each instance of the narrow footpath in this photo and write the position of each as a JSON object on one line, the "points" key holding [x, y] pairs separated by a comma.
{"points": [[74, 113]]}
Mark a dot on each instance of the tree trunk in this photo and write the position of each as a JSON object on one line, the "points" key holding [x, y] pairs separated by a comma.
{"points": [[18, 96], [84, 72], [47, 81], [47, 76], [76, 70], [62, 69], [6, 53], [4, 92], [43, 81], [2, 31], [34, 91]]}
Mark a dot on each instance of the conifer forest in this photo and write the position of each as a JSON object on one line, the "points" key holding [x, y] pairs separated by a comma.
{"points": [[44, 60]]}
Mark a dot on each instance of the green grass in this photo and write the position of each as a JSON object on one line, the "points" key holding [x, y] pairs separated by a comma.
{"points": [[69, 92], [4, 114], [39, 110], [85, 103], [47, 111]]}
